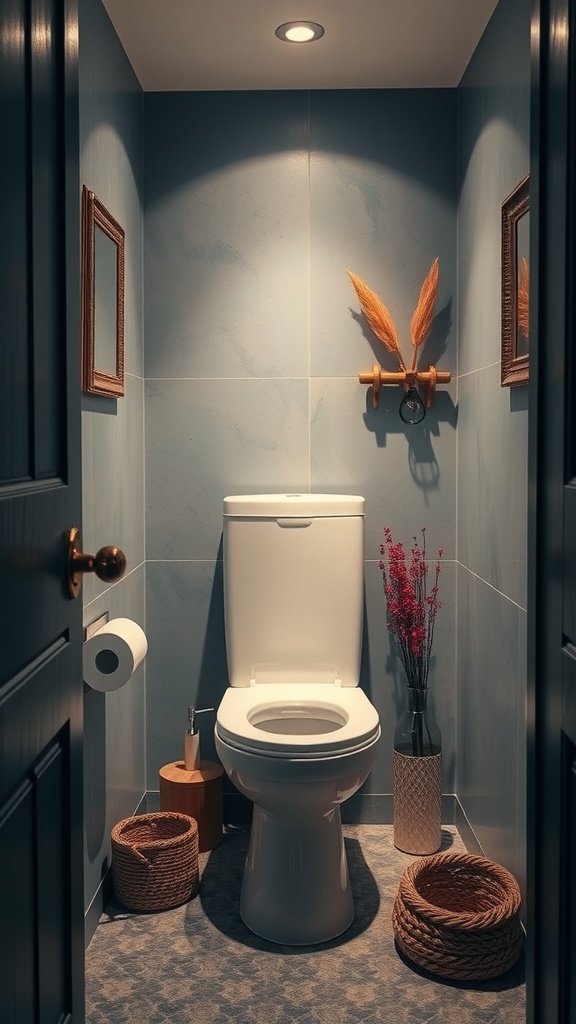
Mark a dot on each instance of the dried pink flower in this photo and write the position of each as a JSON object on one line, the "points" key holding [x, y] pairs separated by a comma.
{"points": [[411, 606]]}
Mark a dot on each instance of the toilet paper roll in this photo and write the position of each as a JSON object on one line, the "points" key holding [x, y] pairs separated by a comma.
{"points": [[113, 653]]}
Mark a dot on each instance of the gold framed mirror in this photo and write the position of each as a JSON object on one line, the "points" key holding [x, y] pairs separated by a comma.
{"points": [[516, 285], [102, 299]]}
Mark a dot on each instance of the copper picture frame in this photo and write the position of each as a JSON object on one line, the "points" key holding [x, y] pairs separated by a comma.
{"points": [[516, 286], [102, 299]]}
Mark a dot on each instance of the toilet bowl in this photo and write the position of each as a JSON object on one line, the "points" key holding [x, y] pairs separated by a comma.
{"points": [[295, 733]]}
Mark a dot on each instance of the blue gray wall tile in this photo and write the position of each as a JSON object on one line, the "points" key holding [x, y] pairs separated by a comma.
{"points": [[492, 476], [113, 476], [114, 747], [255, 205], [406, 474], [209, 438], [187, 657], [227, 235], [251, 315], [382, 204], [113, 443], [491, 510], [491, 730]]}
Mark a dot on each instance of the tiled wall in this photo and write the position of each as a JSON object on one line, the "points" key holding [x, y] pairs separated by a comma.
{"points": [[493, 134], [256, 204], [112, 443]]}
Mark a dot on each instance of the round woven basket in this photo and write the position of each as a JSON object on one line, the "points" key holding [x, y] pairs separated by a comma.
{"points": [[457, 915], [155, 860]]}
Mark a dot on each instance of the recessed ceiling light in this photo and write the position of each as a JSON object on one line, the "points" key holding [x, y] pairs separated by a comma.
{"points": [[299, 31]]}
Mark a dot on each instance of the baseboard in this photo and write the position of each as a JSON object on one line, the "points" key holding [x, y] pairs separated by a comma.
{"points": [[100, 901], [465, 829], [360, 809], [378, 809], [150, 802]]}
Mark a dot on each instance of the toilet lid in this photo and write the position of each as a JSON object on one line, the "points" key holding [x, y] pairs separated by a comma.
{"points": [[297, 720]]}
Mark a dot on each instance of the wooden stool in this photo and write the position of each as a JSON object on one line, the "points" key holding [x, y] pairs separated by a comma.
{"points": [[197, 793]]}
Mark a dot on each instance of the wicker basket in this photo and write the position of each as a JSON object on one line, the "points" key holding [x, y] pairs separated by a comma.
{"points": [[457, 915], [155, 860]]}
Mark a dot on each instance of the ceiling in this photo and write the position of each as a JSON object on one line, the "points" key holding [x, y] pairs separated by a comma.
{"points": [[181, 45]]}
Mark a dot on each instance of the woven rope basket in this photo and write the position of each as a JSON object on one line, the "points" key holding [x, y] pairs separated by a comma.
{"points": [[457, 915], [155, 860]]}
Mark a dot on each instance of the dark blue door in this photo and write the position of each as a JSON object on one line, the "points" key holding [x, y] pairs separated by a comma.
{"points": [[551, 978], [41, 899]]}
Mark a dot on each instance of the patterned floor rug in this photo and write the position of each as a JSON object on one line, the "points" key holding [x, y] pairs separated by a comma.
{"points": [[199, 964]]}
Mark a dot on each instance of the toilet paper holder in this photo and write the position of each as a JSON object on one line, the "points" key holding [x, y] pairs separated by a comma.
{"points": [[89, 631], [95, 625]]}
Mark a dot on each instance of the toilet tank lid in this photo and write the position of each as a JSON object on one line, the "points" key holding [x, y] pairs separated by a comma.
{"points": [[285, 505]]}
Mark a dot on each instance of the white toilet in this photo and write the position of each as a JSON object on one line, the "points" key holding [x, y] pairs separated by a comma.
{"points": [[294, 731]]}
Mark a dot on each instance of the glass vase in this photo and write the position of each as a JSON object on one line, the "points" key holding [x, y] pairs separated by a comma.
{"points": [[417, 733], [417, 777]]}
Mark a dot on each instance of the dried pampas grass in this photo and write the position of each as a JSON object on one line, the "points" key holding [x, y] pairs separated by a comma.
{"points": [[424, 313], [381, 322], [377, 316]]}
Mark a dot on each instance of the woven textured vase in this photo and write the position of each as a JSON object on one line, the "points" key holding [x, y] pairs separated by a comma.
{"points": [[417, 776], [458, 915], [417, 803]]}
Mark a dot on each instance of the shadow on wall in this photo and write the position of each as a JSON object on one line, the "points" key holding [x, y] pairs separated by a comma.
{"points": [[432, 351], [385, 419], [213, 673], [236, 128]]}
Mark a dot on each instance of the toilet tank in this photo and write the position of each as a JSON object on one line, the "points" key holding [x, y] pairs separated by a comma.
{"points": [[293, 587]]}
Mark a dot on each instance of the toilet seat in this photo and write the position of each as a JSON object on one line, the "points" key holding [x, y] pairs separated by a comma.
{"points": [[257, 719]]}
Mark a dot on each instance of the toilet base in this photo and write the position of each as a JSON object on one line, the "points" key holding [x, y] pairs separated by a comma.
{"points": [[296, 888]]}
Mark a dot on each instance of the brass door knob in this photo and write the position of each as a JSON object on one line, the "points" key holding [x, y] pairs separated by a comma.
{"points": [[109, 563]]}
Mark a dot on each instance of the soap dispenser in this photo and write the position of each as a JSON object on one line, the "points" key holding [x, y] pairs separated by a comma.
{"points": [[192, 740]]}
